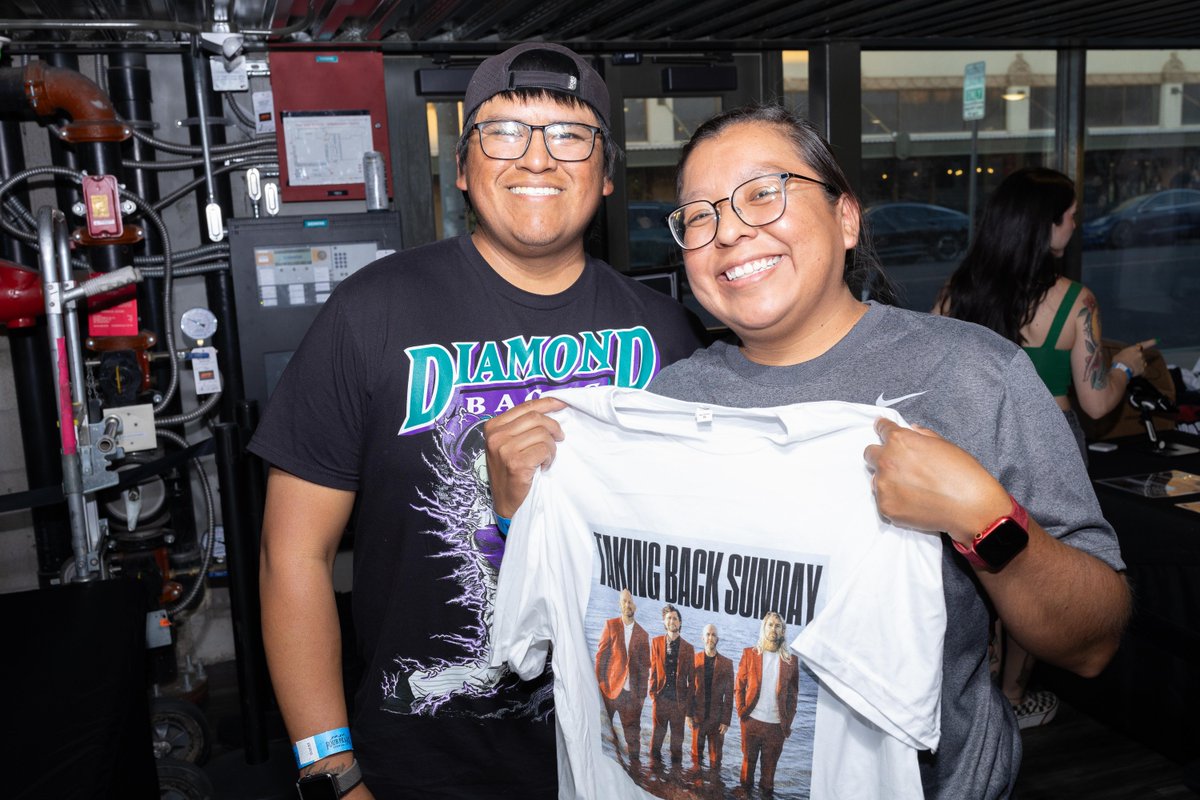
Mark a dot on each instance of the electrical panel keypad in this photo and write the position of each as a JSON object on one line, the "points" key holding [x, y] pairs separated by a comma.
{"points": [[284, 269]]}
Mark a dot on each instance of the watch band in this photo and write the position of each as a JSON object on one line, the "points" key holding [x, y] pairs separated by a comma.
{"points": [[349, 779], [342, 783], [1019, 515]]}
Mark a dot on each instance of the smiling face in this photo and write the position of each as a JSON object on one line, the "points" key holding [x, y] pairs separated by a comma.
{"points": [[533, 210], [779, 287]]}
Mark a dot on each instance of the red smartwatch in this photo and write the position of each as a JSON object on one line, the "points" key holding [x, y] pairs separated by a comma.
{"points": [[999, 542]]}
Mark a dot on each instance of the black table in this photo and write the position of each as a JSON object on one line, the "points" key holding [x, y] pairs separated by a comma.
{"points": [[1151, 690]]}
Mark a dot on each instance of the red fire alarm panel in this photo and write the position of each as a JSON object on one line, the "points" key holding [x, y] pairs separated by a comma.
{"points": [[330, 109]]}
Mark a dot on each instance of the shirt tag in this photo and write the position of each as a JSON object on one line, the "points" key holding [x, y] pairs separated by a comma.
{"points": [[704, 416]]}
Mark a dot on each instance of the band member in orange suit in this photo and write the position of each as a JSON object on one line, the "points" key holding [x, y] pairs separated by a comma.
{"points": [[671, 663], [712, 700], [622, 670], [768, 685]]}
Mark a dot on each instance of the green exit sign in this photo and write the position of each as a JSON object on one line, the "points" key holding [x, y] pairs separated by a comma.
{"points": [[974, 82]]}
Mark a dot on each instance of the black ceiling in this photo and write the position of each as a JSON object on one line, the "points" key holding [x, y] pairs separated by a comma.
{"points": [[594, 24]]}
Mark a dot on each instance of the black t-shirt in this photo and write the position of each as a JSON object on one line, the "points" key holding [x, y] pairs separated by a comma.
{"points": [[386, 397]]}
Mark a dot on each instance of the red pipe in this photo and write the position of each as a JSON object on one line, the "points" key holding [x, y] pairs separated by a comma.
{"points": [[20, 295], [51, 89]]}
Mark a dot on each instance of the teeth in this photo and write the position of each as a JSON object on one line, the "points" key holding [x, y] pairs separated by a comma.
{"points": [[750, 268], [536, 191]]}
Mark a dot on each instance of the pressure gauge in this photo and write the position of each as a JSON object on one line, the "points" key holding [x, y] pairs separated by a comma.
{"points": [[198, 324]]}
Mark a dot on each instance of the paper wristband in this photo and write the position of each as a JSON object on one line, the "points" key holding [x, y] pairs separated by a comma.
{"points": [[314, 748]]}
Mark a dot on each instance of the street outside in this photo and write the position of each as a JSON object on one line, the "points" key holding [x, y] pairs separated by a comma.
{"points": [[1143, 292]]}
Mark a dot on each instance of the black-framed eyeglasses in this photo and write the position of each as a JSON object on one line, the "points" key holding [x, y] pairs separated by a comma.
{"points": [[757, 202], [508, 140]]}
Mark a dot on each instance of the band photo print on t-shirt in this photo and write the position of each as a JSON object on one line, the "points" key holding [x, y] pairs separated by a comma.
{"points": [[702, 696]]}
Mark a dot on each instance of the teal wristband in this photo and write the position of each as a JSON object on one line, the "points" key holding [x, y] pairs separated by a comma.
{"points": [[502, 524], [314, 748], [1124, 368]]}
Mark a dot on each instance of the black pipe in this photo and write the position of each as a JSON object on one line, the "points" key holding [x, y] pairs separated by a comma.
{"points": [[256, 473], [129, 88], [66, 193], [219, 285], [241, 554], [34, 389]]}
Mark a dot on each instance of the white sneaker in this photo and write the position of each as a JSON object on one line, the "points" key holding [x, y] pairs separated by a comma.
{"points": [[1038, 708]]}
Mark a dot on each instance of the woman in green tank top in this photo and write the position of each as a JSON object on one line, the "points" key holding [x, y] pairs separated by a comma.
{"points": [[1011, 281]]}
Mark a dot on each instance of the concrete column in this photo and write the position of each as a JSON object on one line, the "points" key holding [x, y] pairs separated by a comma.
{"points": [[1019, 80], [1170, 104]]}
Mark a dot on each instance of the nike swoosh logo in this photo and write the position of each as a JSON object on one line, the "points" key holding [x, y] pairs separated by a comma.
{"points": [[879, 401]]}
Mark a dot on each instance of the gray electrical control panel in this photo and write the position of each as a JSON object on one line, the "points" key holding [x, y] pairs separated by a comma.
{"points": [[284, 268]]}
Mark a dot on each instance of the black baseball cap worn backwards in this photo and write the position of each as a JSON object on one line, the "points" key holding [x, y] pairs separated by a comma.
{"points": [[496, 75]]}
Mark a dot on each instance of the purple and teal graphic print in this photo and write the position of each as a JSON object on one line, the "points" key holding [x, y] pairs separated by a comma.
{"points": [[452, 392]]}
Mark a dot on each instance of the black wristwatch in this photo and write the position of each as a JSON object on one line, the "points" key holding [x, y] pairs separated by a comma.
{"points": [[329, 785]]}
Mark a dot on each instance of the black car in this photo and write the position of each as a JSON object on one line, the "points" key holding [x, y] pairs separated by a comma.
{"points": [[917, 232], [1159, 218]]}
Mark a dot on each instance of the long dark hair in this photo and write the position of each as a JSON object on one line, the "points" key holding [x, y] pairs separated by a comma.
{"points": [[862, 273], [1009, 268]]}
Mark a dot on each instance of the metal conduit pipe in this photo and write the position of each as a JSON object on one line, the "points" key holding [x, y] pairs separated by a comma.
{"points": [[51, 228], [191, 149], [198, 71], [191, 163]]}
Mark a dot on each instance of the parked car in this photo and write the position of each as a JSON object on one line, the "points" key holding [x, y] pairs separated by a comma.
{"points": [[917, 232], [650, 242], [1156, 218]]}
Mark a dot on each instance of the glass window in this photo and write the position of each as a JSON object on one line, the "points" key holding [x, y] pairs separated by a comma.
{"points": [[655, 130], [917, 152], [1141, 197], [1191, 103], [1111, 106], [1042, 100], [635, 120], [444, 120], [795, 80]]}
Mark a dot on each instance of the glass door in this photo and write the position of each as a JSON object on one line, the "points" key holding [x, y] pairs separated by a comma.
{"points": [[661, 101]]}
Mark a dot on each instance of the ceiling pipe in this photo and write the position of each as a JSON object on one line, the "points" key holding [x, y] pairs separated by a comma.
{"points": [[48, 90]]}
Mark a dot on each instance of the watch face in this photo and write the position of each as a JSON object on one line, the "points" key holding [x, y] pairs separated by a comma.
{"points": [[318, 787], [1003, 542]]}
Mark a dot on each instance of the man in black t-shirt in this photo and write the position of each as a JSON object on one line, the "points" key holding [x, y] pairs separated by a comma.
{"points": [[380, 411]]}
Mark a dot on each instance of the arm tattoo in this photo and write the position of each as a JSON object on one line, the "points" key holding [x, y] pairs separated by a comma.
{"points": [[1097, 375], [324, 765]]}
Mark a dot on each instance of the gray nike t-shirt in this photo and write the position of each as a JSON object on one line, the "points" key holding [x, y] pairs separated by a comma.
{"points": [[979, 391]]}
